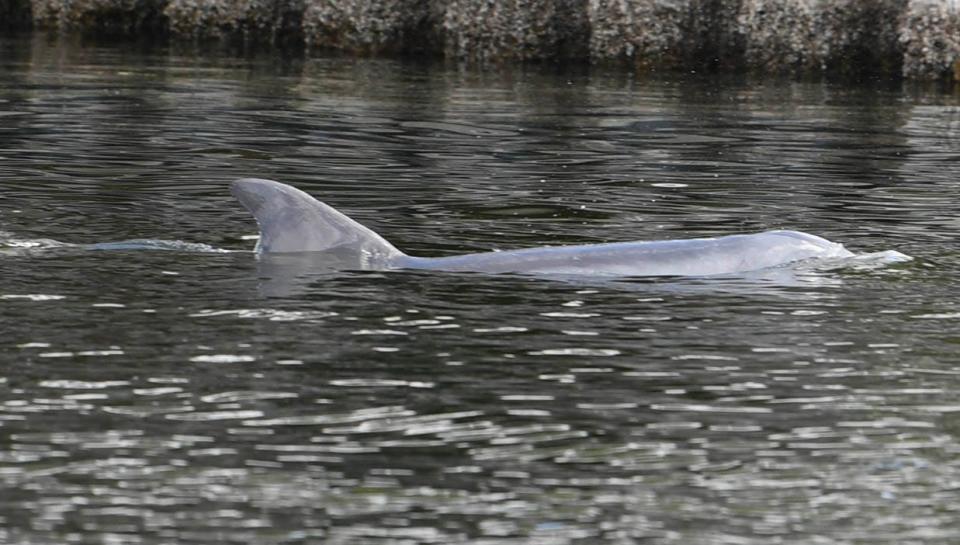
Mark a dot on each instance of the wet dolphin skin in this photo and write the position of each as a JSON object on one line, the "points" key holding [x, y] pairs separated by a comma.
{"points": [[293, 221]]}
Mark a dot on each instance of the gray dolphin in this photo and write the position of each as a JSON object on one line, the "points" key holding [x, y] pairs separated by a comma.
{"points": [[293, 221]]}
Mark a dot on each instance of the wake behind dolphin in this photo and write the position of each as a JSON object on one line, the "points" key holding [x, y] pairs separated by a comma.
{"points": [[12, 245], [293, 221]]}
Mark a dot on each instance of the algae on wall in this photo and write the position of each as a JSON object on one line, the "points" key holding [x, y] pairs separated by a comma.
{"points": [[914, 38]]}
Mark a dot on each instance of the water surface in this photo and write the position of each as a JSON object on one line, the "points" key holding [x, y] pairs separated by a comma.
{"points": [[186, 395]]}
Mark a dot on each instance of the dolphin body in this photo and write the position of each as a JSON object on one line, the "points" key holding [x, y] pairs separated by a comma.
{"points": [[293, 221]]}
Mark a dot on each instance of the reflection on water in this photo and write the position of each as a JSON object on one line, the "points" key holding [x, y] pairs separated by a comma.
{"points": [[206, 397]]}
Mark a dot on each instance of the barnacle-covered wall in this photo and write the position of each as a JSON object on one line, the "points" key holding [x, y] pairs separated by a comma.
{"points": [[216, 18], [916, 38], [821, 35], [666, 33], [485, 30], [930, 37], [105, 17], [370, 26]]}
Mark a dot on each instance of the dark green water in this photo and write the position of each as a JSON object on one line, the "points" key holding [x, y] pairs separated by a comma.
{"points": [[190, 396]]}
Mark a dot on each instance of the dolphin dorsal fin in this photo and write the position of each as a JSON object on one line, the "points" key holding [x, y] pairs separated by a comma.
{"points": [[293, 221]]}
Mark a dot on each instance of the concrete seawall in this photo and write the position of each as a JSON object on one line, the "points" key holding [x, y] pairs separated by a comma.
{"points": [[918, 39]]}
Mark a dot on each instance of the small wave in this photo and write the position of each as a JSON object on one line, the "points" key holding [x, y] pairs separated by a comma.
{"points": [[863, 262], [157, 245], [11, 244], [888, 257]]}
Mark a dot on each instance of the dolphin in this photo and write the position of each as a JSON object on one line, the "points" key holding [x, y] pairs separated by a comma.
{"points": [[291, 221]]}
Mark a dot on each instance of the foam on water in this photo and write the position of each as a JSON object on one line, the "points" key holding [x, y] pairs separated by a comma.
{"points": [[11, 244], [159, 245]]}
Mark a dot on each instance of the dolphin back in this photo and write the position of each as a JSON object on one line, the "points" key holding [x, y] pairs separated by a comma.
{"points": [[293, 221]]}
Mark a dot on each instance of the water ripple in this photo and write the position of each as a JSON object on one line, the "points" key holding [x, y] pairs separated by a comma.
{"points": [[202, 396]]}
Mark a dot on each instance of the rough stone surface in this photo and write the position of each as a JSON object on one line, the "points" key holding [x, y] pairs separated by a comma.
{"points": [[649, 31], [778, 33], [370, 26], [930, 36], [202, 18], [803, 36], [271, 21], [665, 33], [497, 30], [919, 39], [110, 17]]}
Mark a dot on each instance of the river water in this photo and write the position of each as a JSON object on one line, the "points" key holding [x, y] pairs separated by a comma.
{"points": [[176, 390]]}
